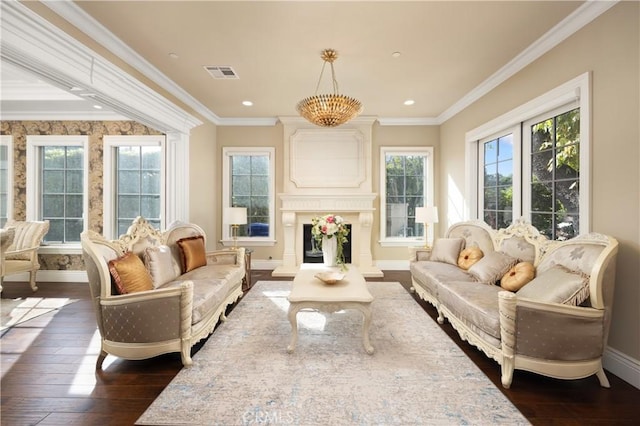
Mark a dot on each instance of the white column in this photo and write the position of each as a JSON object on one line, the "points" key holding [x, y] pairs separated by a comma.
{"points": [[365, 265], [177, 190], [289, 265]]}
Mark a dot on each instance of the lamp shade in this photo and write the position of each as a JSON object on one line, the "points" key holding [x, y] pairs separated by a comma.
{"points": [[236, 215], [427, 214]]}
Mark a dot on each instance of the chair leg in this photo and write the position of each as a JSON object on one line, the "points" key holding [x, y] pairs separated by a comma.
{"points": [[100, 359], [32, 280]]}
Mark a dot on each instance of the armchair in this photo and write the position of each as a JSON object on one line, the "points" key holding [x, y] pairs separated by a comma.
{"points": [[22, 254]]}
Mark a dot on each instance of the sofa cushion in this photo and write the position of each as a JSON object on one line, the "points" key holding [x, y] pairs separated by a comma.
{"points": [[129, 274], [519, 248], [518, 276], [476, 305], [193, 252], [447, 250], [469, 256], [432, 274], [160, 264], [492, 267], [557, 285]]}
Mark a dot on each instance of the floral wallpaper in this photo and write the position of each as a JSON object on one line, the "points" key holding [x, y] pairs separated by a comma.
{"points": [[95, 130]]}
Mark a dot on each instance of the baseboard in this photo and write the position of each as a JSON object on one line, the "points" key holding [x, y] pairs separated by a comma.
{"points": [[50, 276], [392, 265], [623, 366]]}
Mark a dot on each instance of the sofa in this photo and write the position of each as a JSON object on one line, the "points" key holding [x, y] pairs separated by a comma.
{"points": [[525, 301], [157, 292]]}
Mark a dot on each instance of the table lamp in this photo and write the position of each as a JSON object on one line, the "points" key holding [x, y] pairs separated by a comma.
{"points": [[235, 216], [426, 215]]}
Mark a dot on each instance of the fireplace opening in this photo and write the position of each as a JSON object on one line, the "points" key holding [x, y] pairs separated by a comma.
{"points": [[313, 254]]}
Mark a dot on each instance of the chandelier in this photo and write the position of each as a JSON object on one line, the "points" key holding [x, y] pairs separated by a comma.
{"points": [[329, 110]]}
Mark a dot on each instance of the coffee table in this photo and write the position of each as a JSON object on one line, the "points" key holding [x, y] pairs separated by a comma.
{"points": [[308, 292]]}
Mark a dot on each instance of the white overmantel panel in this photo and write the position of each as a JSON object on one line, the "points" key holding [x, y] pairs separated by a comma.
{"points": [[327, 160], [327, 203]]}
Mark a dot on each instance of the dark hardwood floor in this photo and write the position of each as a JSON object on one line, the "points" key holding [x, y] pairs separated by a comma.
{"points": [[49, 377]]}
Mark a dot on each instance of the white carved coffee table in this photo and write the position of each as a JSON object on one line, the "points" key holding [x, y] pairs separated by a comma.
{"points": [[308, 292]]}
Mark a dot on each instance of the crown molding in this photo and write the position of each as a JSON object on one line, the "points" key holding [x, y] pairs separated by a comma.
{"points": [[61, 116], [582, 16], [31, 42], [94, 29]]}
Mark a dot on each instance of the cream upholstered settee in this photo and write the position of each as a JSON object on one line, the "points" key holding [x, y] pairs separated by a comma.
{"points": [[158, 292], [555, 324]]}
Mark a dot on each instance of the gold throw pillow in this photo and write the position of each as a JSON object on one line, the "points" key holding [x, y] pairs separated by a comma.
{"points": [[130, 274], [193, 252]]}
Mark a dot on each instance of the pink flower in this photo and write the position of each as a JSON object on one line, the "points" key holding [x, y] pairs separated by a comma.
{"points": [[330, 219], [324, 229]]}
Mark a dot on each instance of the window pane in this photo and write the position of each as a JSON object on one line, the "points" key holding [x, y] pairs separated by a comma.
{"points": [[541, 197], [53, 181], [395, 186], [490, 198], [568, 162], [405, 189], [150, 206], [52, 206], [56, 231], [128, 182], [53, 157], [241, 185], [543, 222], [542, 166], [490, 217], [505, 173], [542, 135], [504, 219], [490, 174], [128, 206], [567, 226], [73, 230], [151, 182], [241, 165], [74, 181], [491, 151], [505, 148], [74, 157], [128, 158], [567, 196], [260, 165], [73, 206], [260, 185], [152, 157], [505, 198]]}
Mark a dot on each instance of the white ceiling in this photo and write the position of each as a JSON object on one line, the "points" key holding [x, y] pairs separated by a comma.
{"points": [[447, 50]]}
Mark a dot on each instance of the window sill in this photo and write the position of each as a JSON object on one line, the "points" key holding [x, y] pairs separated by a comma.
{"points": [[402, 243], [60, 249], [262, 242]]}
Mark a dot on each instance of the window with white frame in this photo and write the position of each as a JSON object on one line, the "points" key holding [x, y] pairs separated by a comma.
{"points": [[134, 176], [6, 179], [249, 182], [57, 181], [543, 154], [406, 182]]}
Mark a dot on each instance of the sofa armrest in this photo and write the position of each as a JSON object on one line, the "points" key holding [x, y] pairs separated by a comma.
{"points": [[148, 316], [550, 331], [421, 253], [226, 257]]}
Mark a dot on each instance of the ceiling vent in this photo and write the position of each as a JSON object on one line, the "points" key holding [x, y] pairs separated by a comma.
{"points": [[222, 72]]}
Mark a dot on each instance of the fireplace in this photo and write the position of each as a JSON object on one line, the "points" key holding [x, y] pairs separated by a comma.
{"points": [[313, 254], [336, 179]]}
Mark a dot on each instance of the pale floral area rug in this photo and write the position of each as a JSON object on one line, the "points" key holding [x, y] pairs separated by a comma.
{"points": [[243, 375]]}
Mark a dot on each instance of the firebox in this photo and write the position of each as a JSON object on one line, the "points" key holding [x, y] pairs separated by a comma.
{"points": [[313, 254]]}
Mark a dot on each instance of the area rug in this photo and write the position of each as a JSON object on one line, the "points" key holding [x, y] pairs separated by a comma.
{"points": [[18, 311], [243, 375]]}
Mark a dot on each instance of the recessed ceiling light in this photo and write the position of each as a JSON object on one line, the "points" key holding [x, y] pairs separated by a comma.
{"points": [[396, 54], [409, 102], [97, 106], [247, 103], [173, 55]]}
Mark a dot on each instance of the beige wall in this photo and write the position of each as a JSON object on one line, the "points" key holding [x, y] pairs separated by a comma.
{"points": [[609, 49]]}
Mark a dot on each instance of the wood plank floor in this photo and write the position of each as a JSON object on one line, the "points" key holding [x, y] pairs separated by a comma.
{"points": [[49, 377]]}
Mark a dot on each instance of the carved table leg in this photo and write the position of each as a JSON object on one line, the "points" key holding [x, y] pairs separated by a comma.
{"points": [[366, 324], [293, 313]]}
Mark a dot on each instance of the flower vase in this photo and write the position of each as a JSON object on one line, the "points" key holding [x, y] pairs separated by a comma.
{"points": [[330, 251]]}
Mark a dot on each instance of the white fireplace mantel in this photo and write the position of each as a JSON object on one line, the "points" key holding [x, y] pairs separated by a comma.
{"points": [[327, 171]]}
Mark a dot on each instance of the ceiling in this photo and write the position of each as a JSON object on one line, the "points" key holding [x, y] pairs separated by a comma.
{"points": [[445, 50]]}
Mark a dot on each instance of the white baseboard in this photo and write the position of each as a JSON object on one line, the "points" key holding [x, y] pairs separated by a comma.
{"points": [[50, 276], [623, 366], [393, 265]]}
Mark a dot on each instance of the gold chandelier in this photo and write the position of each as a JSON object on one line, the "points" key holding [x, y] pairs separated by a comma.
{"points": [[329, 110]]}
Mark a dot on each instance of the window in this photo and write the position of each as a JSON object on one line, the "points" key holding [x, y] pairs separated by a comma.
{"points": [[134, 182], [406, 183], [57, 176], [6, 179], [554, 174], [538, 166], [249, 181]]}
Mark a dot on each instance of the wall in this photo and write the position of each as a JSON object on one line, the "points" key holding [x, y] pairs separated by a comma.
{"points": [[204, 178], [609, 49], [95, 130]]}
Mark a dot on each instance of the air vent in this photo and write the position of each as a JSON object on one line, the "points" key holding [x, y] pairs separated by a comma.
{"points": [[222, 72]]}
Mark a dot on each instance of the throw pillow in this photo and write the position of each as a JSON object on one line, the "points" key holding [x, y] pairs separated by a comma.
{"points": [[447, 250], [557, 285], [160, 265], [518, 276], [469, 256], [193, 252], [129, 274], [492, 267]]}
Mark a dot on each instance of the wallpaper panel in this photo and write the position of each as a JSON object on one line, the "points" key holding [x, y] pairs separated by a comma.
{"points": [[95, 130]]}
